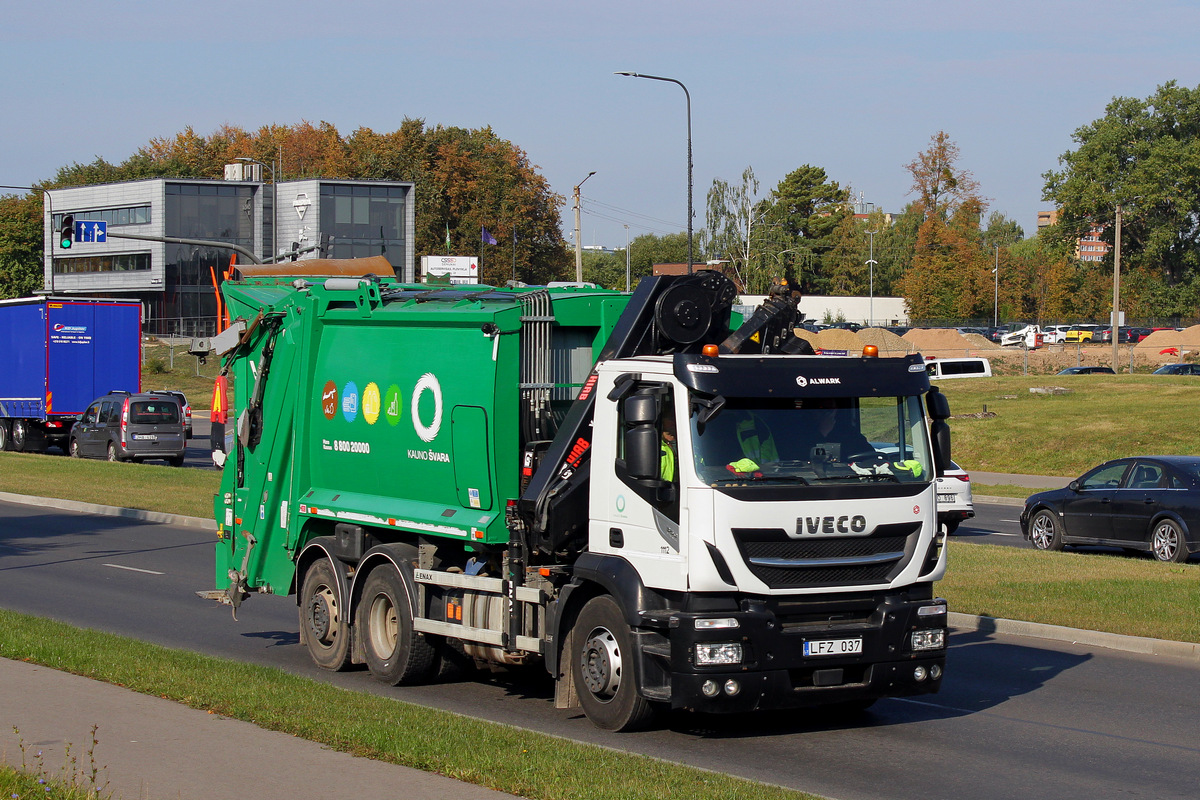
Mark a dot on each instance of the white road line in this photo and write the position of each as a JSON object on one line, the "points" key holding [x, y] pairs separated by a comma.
{"points": [[1011, 520], [135, 569], [998, 533]]}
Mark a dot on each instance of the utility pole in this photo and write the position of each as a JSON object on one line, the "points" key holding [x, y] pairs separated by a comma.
{"points": [[578, 243], [1116, 288]]}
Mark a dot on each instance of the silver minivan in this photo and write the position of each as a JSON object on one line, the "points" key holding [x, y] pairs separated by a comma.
{"points": [[131, 427]]}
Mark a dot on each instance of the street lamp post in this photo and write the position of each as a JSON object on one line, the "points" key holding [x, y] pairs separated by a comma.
{"points": [[274, 205], [48, 202], [996, 291], [871, 264], [688, 95], [578, 243], [626, 258]]}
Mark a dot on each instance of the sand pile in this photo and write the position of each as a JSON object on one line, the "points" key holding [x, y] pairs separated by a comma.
{"points": [[887, 342], [1186, 339], [981, 342], [925, 339], [839, 339]]}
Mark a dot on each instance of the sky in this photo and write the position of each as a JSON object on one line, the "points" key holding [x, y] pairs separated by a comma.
{"points": [[856, 88]]}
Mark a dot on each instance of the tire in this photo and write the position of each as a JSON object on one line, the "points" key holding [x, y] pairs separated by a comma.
{"points": [[113, 454], [602, 662], [394, 653], [325, 631], [951, 527], [73, 448], [175, 461], [1167, 542], [20, 435], [1044, 531], [5, 436]]}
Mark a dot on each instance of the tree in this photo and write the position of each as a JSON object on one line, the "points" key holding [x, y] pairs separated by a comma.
{"points": [[464, 180], [730, 220], [810, 208], [21, 234], [940, 185], [1145, 155]]}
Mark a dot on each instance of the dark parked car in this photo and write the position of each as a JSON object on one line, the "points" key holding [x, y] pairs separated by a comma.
{"points": [[184, 404], [1178, 369], [130, 427], [1087, 371], [1147, 503]]}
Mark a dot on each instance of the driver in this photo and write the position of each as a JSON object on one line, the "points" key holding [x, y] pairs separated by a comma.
{"points": [[830, 436]]}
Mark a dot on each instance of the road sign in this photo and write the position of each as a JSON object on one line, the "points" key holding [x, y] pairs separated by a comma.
{"points": [[88, 230]]}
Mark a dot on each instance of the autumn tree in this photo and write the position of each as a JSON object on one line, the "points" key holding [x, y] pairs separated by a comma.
{"points": [[464, 180]]}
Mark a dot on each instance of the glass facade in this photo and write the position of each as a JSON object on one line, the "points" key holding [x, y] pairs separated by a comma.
{"points": [[134, 215], [216, 212], [364, 220]]}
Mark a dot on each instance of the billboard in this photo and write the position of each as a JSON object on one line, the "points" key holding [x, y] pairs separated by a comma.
{"points": [[461, 269]]}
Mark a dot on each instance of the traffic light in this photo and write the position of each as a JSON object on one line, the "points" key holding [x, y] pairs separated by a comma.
{"points": [[66, 232]]}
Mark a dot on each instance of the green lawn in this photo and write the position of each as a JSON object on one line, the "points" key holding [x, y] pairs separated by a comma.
{"points": [[1102, 417]]}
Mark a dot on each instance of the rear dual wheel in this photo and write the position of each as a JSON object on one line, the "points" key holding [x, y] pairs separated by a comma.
{"points": [[324, 625], [394, 652]]}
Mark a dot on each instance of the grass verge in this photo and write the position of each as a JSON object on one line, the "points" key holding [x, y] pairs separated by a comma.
{"points": [[500, 757], [1132, 595], [143, 486], [19, 785], [1101, 417]]}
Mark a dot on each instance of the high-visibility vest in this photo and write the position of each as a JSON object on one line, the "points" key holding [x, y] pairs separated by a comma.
{"points": [[667, 467], [761, 450]]}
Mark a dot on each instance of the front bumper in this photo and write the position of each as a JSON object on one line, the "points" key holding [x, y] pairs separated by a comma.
{"points": [[775, 673]]}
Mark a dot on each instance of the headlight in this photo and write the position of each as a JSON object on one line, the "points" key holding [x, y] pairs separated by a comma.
{"points": [[718, 653], [929, 640]]}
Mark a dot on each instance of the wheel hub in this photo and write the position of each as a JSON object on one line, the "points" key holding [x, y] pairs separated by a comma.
{"points": [[601, 664], [318, 617]]}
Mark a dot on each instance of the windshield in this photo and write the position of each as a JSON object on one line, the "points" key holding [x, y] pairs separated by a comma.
{"points": [[816, 440]]}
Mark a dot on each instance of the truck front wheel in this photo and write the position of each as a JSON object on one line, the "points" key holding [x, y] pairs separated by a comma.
{"points": [[395, 653], [326, 633], [603, 666]]}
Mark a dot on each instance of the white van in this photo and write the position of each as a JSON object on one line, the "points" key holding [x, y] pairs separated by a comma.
{"points": [[944, 368]]}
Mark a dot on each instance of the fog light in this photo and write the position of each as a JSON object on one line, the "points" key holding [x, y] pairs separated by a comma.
{"points": [[935, 672], [931, 611], [732, 687], [710, 688], [919, 674], [718, 653], [934, 639]]}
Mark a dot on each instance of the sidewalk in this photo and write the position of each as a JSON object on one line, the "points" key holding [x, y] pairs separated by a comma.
{"points": [[1039, 482], [155, 749]]}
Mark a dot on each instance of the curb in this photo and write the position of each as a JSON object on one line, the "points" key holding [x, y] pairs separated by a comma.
{"points": [[110, 511], [1058, 633], [963, 622], [1001, 501]]}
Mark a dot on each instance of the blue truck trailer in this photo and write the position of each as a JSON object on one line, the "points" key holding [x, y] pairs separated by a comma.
{"points": [[59, 354]]}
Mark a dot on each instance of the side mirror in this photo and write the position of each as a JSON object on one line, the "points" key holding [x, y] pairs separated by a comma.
{"points": [[1074, 486], [643, 454]]}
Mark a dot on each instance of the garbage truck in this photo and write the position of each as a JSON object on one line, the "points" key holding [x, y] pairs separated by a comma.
{"points": [[664, 510]]}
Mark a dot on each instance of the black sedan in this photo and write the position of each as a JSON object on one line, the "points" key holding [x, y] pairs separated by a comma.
{"points": [[1140, 503], [1087, 371]]}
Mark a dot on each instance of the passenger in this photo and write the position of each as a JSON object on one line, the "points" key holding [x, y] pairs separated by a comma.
{"points": [[667, 466]]}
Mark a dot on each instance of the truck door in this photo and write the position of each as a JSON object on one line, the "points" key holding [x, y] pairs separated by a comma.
{"points": [[642, 518]]}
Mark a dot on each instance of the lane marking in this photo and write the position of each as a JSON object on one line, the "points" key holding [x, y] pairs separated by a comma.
{"points": [[1011, 520], [135, 569]]}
